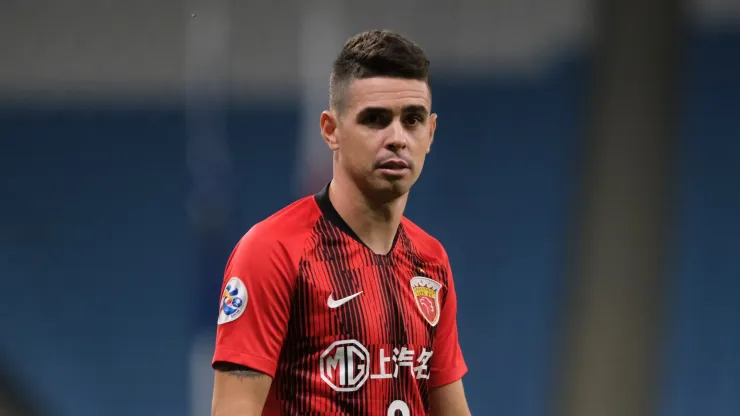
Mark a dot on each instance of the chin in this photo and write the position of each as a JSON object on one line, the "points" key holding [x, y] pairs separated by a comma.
{"points": [[392, 188]]}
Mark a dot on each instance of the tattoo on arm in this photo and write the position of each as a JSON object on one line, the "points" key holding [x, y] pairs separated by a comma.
{"points": [[239, 371]]}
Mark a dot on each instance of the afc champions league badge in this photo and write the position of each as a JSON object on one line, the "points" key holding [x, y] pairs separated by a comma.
{"points": [[426, 294], [233, 301]]}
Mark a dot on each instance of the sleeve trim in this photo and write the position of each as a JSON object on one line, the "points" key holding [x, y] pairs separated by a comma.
{"points": [[444, 377], [255, 362]]}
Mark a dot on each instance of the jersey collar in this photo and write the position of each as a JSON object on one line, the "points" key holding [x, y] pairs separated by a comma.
{"points": [[331, 214]]}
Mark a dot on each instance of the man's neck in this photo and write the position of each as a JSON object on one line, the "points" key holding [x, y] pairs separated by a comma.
{"points": [[375, 224]]}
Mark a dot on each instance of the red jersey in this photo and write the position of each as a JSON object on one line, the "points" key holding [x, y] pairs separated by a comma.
{"points": [[341, 330]]}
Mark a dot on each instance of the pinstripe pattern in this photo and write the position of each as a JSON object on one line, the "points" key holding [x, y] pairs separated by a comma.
{"points": [[385, 316]]}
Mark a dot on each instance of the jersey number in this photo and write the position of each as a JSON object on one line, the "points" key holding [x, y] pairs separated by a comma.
{"points": [[399, 406]]}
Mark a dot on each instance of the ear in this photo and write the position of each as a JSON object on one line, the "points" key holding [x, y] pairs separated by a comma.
{"points": [[432, 128], [329, 124]]}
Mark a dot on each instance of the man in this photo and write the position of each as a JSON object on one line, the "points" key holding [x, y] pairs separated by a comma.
{"points": [[337, 304]]}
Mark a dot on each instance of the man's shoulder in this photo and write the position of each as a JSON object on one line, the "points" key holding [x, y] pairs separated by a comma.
{"points": [[427, 245], [287, 228]]}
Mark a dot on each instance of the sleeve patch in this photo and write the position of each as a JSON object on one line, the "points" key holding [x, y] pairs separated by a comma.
{"points": [[233, 301]]}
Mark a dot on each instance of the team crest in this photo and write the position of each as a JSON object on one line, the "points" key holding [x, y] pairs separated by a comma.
{"points": [[233, 301], [426, 294]]}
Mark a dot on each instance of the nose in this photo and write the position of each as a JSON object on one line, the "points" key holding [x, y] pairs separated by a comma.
{"points": [[397, 136]]}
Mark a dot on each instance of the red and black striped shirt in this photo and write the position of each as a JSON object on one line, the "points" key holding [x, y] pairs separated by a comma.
{"points": [[342, 330]]}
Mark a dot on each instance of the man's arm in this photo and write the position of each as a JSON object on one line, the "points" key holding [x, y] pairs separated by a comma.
{"points": [[446, 393], [448, 400], [253, 320], [238, 390]]}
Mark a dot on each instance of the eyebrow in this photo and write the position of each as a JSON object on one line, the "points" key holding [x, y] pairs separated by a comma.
{"points": [[406, 109]]}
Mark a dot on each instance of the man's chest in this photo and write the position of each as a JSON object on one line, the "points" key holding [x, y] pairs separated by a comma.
{"points": [[374, 300], [366, 318]]}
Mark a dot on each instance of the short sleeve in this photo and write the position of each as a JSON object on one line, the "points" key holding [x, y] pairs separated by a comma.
{"points": [[254, 306], [447, 363]]}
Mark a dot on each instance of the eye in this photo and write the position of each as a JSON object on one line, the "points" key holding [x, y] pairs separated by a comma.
{"points": [[379, 119], [373, 118], [413, 119]]}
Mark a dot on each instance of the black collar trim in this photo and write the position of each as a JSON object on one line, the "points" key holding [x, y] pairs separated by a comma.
{"points": [[331, 214]]}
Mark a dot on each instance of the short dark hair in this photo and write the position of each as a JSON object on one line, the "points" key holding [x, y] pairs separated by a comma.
{"points": [[376, 53]]}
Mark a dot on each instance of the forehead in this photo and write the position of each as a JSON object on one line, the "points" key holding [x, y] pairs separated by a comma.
{"points": [[391, 93]]}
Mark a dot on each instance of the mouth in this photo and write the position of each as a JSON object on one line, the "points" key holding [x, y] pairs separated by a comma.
{"points": [[394, 165]]}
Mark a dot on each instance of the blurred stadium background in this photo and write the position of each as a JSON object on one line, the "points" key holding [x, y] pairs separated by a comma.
{"points": [[585, 180]]}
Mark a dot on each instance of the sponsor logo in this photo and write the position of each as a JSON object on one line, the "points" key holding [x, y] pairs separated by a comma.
{"points": [[426, 294], [346, 365]]}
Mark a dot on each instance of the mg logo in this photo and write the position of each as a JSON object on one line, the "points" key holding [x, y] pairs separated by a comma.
{"points": [[345, 365]]}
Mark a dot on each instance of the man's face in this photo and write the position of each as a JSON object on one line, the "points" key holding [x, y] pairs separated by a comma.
{"points": [[383, 134]]}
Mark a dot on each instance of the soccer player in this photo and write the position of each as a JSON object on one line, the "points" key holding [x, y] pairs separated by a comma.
{"points": [[337, 304]]}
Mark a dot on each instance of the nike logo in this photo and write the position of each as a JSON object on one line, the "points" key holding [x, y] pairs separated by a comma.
{"points": [[339, 302]]}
